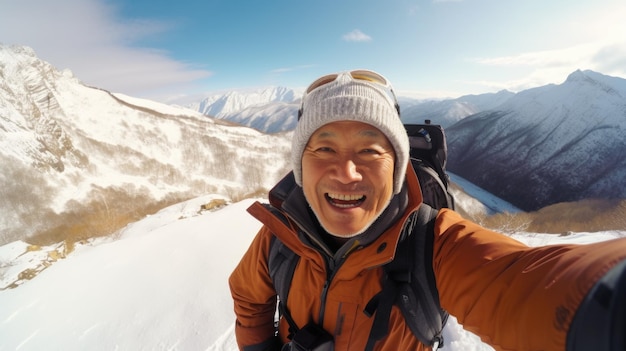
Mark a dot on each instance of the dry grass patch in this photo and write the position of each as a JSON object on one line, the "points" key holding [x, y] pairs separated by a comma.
{"points": [[589, 215], [108, 211], [213, 204]]}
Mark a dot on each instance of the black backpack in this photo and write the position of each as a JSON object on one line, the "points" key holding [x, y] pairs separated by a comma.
{"points": [[429, 154], [409, 280]]}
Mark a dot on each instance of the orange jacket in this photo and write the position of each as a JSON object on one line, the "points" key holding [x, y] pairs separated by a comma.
{"points": [[513, 296]]}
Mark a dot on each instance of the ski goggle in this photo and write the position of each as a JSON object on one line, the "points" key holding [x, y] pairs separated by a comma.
{"points": [[357, 75]]}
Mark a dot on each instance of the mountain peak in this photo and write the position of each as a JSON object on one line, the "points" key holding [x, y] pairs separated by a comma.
{"points": [[613, 85], [577, 76]]}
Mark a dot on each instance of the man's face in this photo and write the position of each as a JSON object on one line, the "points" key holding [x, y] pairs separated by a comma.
{"points": [[347, 176]]}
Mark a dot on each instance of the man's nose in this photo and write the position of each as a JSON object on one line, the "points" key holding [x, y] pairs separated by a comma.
{"points": [[346, 171]]}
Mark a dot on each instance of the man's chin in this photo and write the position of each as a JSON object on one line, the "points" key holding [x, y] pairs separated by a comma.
{"points": [[346, 232], [344, 235], [343, 227]]}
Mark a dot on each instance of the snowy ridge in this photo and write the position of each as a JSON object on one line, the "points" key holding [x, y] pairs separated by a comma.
{"points": [[220, 106], [85, 143], [27, 133]]}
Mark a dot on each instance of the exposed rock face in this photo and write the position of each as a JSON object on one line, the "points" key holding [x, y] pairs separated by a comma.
{"points": [[30, 110]]}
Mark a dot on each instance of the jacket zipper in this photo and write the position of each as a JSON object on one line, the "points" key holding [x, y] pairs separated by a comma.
{"points": [[332, 270]]}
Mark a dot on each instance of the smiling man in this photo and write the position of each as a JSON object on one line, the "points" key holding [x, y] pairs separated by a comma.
{"points": [[347, 173], [343, 211]]}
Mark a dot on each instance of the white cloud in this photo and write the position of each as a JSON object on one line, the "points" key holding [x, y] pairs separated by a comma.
{"points": [[88, 37], [611, 58], [356, 35], [558, 57], [553, 66], [595, 41]]}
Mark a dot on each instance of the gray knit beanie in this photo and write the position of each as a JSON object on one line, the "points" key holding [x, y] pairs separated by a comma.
{"points": [[348, 99]]}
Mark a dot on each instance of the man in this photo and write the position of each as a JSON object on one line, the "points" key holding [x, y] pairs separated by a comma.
{"points": [[344, 218]]}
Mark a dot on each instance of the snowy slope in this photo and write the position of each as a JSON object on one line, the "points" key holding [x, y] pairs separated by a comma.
{"points": [[473, 199], [161, 286]]}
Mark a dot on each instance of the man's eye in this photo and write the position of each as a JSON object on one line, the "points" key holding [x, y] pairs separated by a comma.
{"points": [[369, 151], [324, 149]]}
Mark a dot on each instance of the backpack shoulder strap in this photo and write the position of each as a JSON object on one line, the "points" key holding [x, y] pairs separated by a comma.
{"points": [[422, 293], [410, 283], [282, 264]]}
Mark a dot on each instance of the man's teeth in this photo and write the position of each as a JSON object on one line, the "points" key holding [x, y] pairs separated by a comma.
{"points": [[345, 197], [345, 201]]}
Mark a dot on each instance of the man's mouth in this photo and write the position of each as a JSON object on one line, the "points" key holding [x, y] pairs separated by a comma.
{"points": [[345, 200]]}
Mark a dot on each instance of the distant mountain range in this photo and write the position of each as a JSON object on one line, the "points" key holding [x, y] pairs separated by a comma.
{"points": [[269, 110], [446, 112], [272, 110], [533, 148]]}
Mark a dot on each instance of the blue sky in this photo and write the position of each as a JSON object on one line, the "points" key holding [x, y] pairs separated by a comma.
{"points": [[177, 51]]}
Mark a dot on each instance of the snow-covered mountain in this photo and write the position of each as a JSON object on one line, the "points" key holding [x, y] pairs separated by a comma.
{"points": [[274, 110], [234, 101], [72, 151], [549, 144], [269, 118], [449, 111], [269, 110]]}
